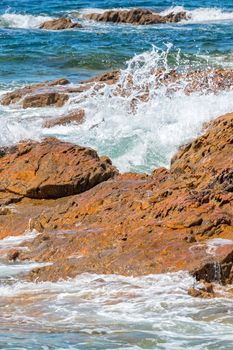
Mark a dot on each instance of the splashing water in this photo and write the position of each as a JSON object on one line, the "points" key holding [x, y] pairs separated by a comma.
{"points": [[140, 134], [14, 20], [139, 122], [201, 15]]}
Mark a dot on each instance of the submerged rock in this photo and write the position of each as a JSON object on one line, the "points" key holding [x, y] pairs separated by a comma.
{"points": [[136, 16], [77, 117], [60, 24]]}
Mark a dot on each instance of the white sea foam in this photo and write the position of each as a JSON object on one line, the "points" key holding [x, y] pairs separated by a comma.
{"points": [[14, 269], [136, 312], [202, 14], [137, 140], [14, 241], [147, 137], [26, 21], [215, 243]]}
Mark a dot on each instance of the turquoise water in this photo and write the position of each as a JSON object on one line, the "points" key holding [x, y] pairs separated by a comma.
{"points": [[112, 312]]}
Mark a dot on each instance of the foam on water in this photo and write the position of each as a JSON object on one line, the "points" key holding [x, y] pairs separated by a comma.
{"points": [[202, 15], [112, 312], [25, 21], [15, 269], [144, 136], [137, 135], [14, 241], [28, 21]]}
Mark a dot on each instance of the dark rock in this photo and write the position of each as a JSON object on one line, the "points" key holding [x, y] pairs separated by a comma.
{"points": [[136, 16], [60, 24]]}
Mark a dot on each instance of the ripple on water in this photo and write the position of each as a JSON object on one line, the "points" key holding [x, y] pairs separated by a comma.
{"points": [[114, 312]]}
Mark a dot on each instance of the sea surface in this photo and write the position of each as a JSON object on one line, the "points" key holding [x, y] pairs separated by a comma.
{"points": [[112, 312]]}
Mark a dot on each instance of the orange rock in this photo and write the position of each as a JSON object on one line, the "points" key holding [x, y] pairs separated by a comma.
{"points": [[52, 169], [116, 228], [19, 94], [45, 99], [133, 224]]}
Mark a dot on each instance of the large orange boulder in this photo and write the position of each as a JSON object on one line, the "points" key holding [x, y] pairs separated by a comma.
{"points": [[52, 169]]}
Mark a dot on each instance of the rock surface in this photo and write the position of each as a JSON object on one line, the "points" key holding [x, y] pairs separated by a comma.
{"points": [[38, 95], [77, 117], [136, 17], [132, 224], [52, 169], [60, 24], [45, 99]]}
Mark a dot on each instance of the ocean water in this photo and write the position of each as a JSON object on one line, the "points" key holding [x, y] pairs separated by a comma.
{"points": [[113, 312]]}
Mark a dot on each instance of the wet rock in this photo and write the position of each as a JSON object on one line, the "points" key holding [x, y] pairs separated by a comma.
{"points": [[13, 255], [209, 156], [136, 16], [77, 117], [45, 99], [60, 24], [134, 224], [46, 87], [175, 17], [167, 221], [52, 169], [205, 292], [109, 78]]}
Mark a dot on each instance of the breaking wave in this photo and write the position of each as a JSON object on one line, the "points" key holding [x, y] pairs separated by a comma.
{"points": [[13, 20], [141, 135], [138, 135], [202, 14]]}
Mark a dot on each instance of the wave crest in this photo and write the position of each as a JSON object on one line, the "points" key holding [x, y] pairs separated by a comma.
{"points": [[201, 14], [13, 20]]}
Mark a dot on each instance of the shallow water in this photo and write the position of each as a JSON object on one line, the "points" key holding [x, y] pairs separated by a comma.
{"points": [[113, 312]]}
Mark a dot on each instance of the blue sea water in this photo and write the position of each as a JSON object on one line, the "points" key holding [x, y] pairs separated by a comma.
{"points": [[112, 312], [33, 55]]}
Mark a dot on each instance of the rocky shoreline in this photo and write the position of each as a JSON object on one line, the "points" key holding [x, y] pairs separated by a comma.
{"points": [[137, 16], [90, 218]]}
